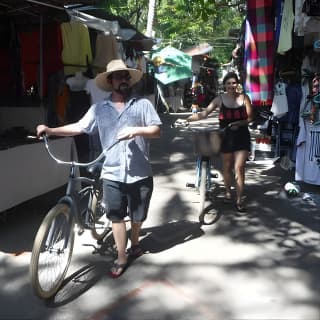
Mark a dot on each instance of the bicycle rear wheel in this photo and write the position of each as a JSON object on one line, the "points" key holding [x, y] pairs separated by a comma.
{"points": [[52, 251], [203, 185], [101, 224]]}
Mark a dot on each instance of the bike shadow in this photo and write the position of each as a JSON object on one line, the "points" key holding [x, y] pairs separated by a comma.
{"points": [[154, 239], [78, 283]]}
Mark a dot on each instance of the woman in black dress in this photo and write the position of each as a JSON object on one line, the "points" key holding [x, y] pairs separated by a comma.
{"points": [[235, 113]]}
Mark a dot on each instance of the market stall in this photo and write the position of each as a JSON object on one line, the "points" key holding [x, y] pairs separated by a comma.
{"points": [[27, 171], [50, 52]]}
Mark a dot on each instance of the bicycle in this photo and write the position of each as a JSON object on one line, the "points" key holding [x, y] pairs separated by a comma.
{"points": [[80, 206], [207, 141]]}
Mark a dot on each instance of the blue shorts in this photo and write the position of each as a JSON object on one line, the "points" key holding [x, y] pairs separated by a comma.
{"points": [[127, 199]]}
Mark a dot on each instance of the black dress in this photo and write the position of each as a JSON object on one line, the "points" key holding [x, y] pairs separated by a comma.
{"points": [[234, 140]]}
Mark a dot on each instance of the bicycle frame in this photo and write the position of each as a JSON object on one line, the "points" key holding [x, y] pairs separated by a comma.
{"points": [[199, 161], [203, 175], [76, 192], [53, 245]]}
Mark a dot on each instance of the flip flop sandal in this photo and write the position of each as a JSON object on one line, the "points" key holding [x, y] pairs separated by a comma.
{"points": [[240, 207], [135, 252], [227, 199], [118, 269]]}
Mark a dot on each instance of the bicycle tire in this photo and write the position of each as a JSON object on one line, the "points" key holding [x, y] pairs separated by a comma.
{"points": [[203, 185], [100, 224], [49, 263]]}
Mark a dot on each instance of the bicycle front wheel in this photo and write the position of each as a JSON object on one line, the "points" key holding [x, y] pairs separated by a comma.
{"points": [[203, 185], [101, 224], [52, 251]]}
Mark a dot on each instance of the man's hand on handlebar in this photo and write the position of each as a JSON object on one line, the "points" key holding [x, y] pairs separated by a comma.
{"points": [[42, 130]]}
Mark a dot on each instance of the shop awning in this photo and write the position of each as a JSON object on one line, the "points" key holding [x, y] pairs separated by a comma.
{"points": [[28, 12], [202, 48]]}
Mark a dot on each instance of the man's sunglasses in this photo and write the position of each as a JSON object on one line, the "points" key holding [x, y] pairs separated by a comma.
{"points": [[121, 76]]}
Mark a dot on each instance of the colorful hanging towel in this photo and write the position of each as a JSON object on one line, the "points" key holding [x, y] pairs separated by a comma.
{"points": [[259, 51]]}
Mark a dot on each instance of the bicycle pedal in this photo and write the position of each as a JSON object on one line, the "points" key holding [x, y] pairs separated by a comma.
{"points": [[190, 185]]}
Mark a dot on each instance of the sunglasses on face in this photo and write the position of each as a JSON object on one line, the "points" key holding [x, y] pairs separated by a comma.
{"points": [[121, 76]]}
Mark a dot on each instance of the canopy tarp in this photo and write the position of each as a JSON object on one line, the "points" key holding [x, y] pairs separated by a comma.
{"points": [[171, 65]]}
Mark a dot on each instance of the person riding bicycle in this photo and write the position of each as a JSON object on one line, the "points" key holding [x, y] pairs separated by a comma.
{"points": [[126, 172], [235, 113]]}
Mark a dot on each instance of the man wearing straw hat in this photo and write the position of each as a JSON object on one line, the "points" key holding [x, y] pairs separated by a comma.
{"points": [[126, 173]]}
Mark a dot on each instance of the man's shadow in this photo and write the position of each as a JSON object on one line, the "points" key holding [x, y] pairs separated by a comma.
{"points": [[165, 236]]}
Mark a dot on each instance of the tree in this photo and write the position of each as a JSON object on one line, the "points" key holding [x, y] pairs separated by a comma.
{"points": [[184, 23], [151, 13]]}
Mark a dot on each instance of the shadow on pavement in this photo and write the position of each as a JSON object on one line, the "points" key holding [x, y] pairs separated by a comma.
{"points": [[168, 235], [78, 283]]}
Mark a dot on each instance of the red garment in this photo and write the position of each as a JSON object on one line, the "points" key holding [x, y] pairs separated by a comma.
{"points": [[52, 48], [30, 55], [6, 72]]}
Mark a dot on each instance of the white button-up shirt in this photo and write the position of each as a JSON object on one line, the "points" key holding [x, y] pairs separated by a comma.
{"points": [[127, 161]]}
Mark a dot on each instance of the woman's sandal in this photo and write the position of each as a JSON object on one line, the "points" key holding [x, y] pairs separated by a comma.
{"points": [[117, 269], [227, 199], [240, 207], [135, 252]]}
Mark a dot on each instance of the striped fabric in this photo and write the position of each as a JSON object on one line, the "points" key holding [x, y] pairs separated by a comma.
{"points": [[259, 52]]}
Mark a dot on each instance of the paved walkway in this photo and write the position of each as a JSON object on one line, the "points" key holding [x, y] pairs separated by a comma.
{"points": [[263, 264]]}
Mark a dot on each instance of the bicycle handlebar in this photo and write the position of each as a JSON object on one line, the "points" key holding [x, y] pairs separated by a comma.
{"points": [[195, 126], [74, 163]]}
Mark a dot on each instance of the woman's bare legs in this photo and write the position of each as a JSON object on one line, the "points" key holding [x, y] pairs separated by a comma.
{"points": [[240, 158], [227, 161]]}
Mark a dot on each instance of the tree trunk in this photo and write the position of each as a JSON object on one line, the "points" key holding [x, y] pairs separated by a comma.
{"points": [[151, 13]]}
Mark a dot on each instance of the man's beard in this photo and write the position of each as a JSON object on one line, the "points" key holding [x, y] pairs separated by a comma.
{"points": [[123, 89]]}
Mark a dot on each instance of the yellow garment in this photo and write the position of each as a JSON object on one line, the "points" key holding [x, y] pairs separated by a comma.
{"points": [[76, 47]]}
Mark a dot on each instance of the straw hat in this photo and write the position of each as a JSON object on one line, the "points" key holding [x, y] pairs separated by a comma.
{"points": [[113, 66]]}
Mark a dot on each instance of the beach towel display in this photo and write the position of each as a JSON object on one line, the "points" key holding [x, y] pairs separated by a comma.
{"points": [[259, 52]]}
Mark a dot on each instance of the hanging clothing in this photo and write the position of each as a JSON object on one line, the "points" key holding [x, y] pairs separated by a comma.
{"points": [[259, 52], [76, 53], [95, 92], [106, 50], [308, 153], [285, 40], [278, 19], [30, 58], [280, 102]]}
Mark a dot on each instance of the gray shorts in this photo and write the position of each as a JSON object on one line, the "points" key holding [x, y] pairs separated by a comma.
{"points": [[127, 199]]}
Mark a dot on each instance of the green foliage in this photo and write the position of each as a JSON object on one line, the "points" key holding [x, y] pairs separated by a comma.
{"points": [[184, 23]]}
